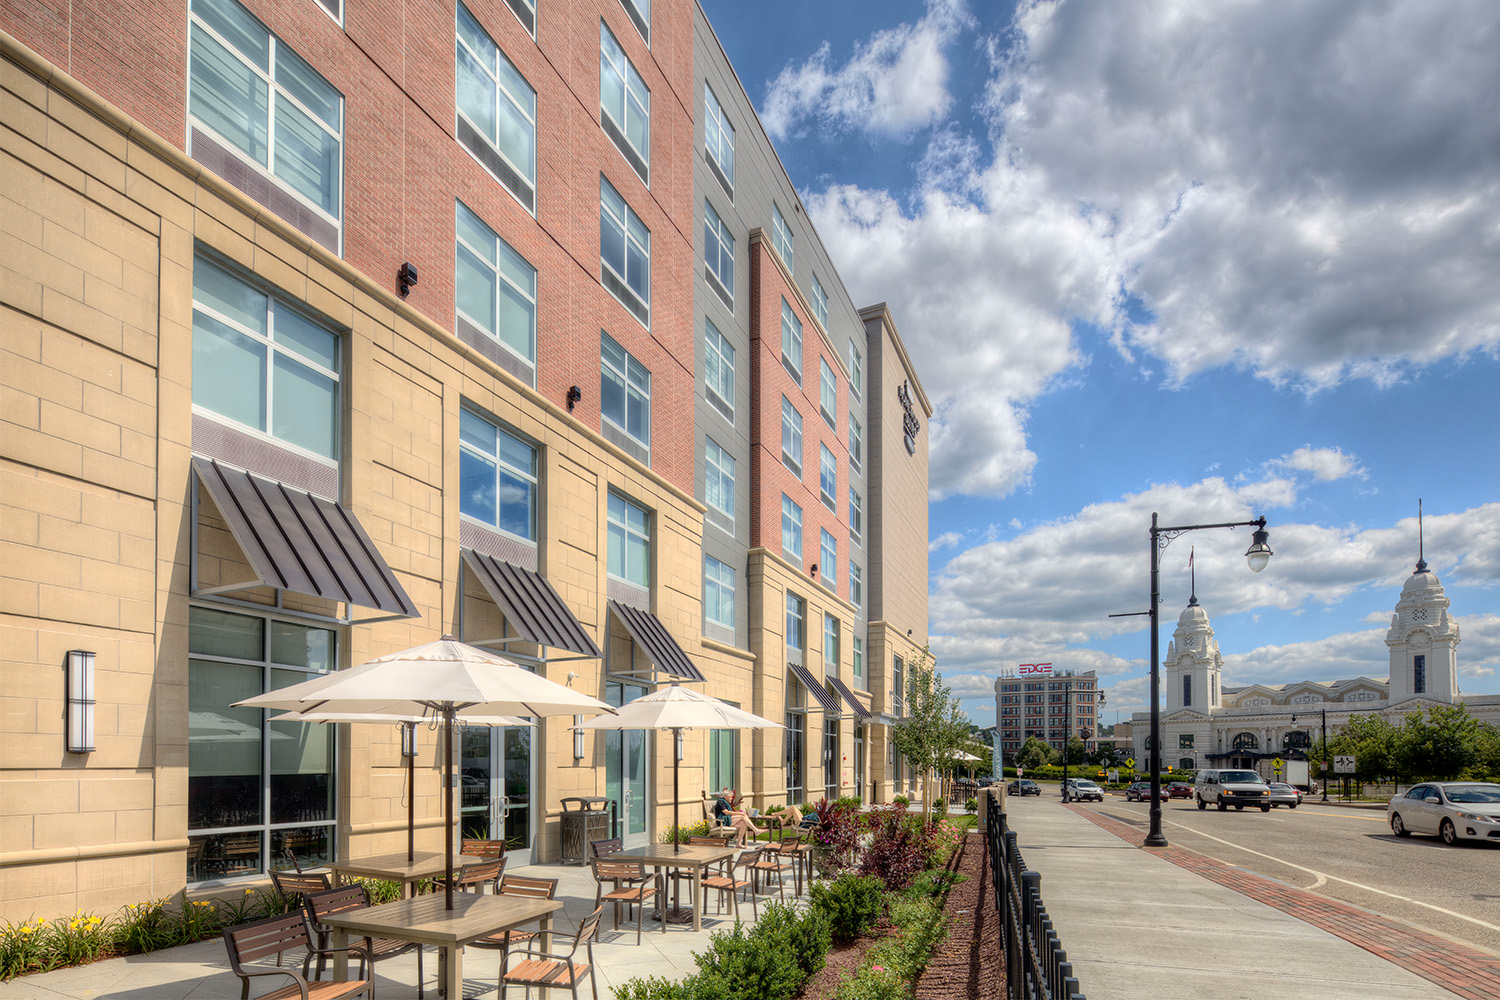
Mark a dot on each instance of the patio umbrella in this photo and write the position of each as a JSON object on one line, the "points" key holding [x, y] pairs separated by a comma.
{"points": [[678, 708], [409, 723], [447, 678]]}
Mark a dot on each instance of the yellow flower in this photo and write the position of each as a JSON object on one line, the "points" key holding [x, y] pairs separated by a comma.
{"points": [[72, 925], [27, 930]]}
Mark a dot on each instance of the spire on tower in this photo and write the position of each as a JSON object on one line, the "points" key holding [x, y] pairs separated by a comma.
{"points": [[1421, 561], [1193, 575]]}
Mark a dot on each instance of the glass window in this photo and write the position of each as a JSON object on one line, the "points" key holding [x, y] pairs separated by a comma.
{"points": [[718, 136], [792, 738], [494, 287], [791, 341], [254, 787], [718, 365], [820, 302], [626, 102], [496, 476], [796, 621], [723, 758], [718, 593], [261, 364], [499, 106], [624, 390], [828, 400], [791, 437], [830, 644], [640, 16], [828, 477], [856, 514], [829, 557], [718, 478], [856, 585], [629, 541], [856, 371], [856, 441], [625, 252], [858, 652], [791, 528], [254, 93], [781, 237], [718, 249]]}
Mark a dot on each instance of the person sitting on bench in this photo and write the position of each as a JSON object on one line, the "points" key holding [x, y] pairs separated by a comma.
{"points": [[725, 814]]}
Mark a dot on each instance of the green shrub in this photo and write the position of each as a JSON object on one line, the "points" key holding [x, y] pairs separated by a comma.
{"points": [[902, 801], [971, 806], [680, 834], [850, 802], [852, 903]]}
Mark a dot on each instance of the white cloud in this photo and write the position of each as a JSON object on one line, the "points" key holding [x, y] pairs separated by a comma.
{"points": [[1325, 464], [943, 541], [1355, 654], [895, 82], [1306, 191]]}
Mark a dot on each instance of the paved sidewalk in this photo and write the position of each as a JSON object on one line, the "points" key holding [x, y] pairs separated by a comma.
{"points": [[1166, 923]]}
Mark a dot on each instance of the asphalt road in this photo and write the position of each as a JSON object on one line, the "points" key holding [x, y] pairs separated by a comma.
{"points": [[1345, 853]]}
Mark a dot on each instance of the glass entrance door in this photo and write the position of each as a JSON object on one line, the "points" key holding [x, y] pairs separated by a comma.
{"points": [[625, 769], [496, 778]]}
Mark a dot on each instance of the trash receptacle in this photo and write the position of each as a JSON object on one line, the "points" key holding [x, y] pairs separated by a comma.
{"points": [[584, 819]]}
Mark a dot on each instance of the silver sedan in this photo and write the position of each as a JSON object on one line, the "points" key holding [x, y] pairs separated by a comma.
{"points": [[1283, 794], [1454, 810]]}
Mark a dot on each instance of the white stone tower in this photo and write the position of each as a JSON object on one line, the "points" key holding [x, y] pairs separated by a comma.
{"points": [[1423, 639], [1193, 662]]}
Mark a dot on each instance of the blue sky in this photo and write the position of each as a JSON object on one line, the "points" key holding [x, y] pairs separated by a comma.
{"points": [[1209, 260]]}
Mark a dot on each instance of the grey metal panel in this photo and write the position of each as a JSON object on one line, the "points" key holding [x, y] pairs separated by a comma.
{"points": [[652, 636], [860, 709], [296, 541], [806, 679], [531, 604]]}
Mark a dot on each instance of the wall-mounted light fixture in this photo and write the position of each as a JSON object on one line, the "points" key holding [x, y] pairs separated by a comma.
{"points": [[814, 571], [577, 738], [407, 277], [80, 701], [575, 396]]}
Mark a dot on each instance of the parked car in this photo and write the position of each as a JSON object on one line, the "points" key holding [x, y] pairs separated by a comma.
{"points": [[1082, 790], [1454, 810], [1140, 791], [1179, 790], [1283, 794], [1023, 786]]}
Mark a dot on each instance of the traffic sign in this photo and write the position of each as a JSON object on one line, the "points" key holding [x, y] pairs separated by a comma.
{"points": [[1343, 765], [1130, 763], [1277, 765]]}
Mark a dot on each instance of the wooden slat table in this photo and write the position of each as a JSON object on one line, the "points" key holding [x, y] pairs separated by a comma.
{"points": [[694, 857], [423, 919], [395, 868]]}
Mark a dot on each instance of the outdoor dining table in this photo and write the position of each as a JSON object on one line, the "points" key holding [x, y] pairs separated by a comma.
{"points": [[424, 919], [394, 867], [693, 857]]}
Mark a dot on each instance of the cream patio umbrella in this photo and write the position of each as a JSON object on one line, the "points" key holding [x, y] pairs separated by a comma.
{"points": [[409, 724], [678, 708], [447, 678]]}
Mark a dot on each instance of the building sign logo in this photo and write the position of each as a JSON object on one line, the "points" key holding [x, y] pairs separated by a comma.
{"points": [[1035, 670], [909, 423]]}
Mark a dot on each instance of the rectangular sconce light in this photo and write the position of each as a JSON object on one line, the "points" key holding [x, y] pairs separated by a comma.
{"points": [[408, 739], [577, 738], [80, 721], [678, 733]]}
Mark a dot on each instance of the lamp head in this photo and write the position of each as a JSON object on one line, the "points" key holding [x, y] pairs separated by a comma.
{"points": [[1259, 553]]}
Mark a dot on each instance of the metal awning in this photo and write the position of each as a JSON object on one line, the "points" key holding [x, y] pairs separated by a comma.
{"points": [[859, 708], [301, 543], [805, 677], [531, 604], [652, 636]]}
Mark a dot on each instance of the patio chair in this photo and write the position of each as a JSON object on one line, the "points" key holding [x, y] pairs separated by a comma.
{"points": [[603, 849], [518, 885], [319, 905], [297, 886], [475, 877], [490, 849], [721, 878], [274, 935], [554, 970], [714, 829], [771, 861], [632, 887]]}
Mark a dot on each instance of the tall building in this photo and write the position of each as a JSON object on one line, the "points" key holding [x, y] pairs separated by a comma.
{"points": [[335, 327], [1054, 708]]}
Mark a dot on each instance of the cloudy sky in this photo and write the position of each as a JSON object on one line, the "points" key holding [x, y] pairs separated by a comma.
{"points": [[1211, 260]]}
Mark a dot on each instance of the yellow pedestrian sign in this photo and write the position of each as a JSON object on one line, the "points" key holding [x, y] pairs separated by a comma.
{"points": [[1130, 763], [1277, 765]]}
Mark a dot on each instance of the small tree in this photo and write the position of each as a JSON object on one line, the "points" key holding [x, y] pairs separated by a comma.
{"points": [[935, 729], [1076, 751], [1034, 753], [1440, 745]]}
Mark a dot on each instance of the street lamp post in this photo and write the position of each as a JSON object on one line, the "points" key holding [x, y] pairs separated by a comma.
{"points": [[1257, 555], [1324, 762]]}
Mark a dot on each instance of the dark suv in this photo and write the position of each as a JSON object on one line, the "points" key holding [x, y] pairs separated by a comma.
{"points": [[1023, 786]]}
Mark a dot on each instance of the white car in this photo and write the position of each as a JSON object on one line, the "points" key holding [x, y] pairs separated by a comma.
{"points": [[1283, 794], [1081, 790], [1454, 810]]}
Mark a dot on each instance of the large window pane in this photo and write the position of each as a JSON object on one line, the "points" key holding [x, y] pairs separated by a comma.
{"points": [[229, 97], [219, 633], [476, 289], [229, 372], [301, 764], [224, 745], [307, 157], [305, 404]]}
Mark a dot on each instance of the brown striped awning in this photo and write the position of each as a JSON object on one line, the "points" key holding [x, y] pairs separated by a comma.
{"points": [[859, 708], [819, 694], [302, 543], [652, 636], [531, 604]]}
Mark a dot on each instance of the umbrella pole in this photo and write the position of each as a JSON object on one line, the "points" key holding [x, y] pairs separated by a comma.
{"points": [[676, 828], [411, 792], [448, 805]]}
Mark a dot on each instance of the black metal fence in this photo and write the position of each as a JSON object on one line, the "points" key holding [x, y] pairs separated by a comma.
{"points": [[1036, 967]]}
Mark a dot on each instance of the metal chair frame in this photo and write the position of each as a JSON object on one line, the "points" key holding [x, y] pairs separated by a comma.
{"points": [[317, 905], [275, 935], [554, 970]]}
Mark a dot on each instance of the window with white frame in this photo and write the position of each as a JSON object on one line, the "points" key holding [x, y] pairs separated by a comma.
{"points": [[625, 104], [497, 476], [525, 11], [718, 139], [625, 252], [828, 570], [723, 758], [718, 478], [830, 644], [718, 254], [718, 592], [856, 514], [263, 365], [248, 91], [781, 237], [791, 437], [796, 621], [791, 341], [718, 368], [624, 390], [496, 111], [791, 529], [856, 441], [857, 651], [828, 399], [856, 585], [629, 541], [640, 16], [820, 302], [494, 287], [828, 478], [856, 371]]}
